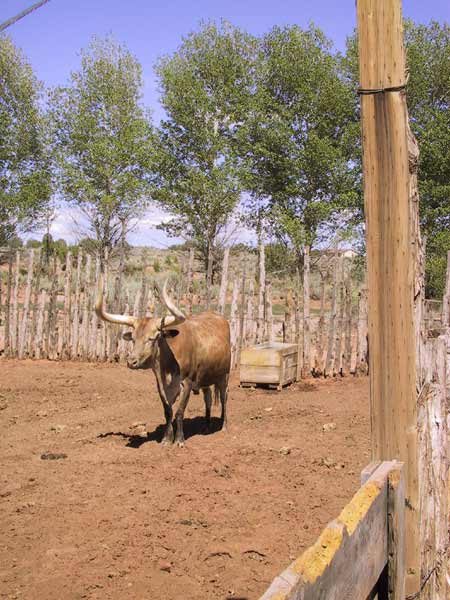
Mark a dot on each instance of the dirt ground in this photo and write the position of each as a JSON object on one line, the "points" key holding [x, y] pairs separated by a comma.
{"points": [[122, 517]]}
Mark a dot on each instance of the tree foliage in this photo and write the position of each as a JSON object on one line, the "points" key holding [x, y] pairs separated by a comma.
{"points": [[298, 141], [428, 98], [206, 85], [104, 141], [24, 171]]}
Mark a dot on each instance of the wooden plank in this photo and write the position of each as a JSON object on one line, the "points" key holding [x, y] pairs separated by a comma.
{"points": [[255, 374], [349, 556], [390, 255]]}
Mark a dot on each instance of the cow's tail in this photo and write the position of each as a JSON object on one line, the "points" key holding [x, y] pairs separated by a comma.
{"points": [[216, 394]]}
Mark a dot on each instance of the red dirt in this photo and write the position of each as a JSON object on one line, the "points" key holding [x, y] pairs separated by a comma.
{"points": [[123, 517]]}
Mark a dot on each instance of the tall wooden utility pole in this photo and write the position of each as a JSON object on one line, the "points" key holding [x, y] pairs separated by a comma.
{"points": [[390, 254]]}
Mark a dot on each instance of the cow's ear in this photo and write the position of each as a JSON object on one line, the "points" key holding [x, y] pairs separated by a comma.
{"points": [[128, 336]]}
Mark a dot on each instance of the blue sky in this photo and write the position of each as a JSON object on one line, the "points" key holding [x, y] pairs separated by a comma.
{"points": [[52, 36]]}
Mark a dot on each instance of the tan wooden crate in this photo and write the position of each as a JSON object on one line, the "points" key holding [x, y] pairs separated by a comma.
{"points": [[273, 364]]}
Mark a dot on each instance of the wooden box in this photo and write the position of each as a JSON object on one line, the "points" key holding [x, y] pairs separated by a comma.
{"points": [[273, 364]]}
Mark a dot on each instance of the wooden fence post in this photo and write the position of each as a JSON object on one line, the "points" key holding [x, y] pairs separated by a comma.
{"points": [[65, 351], [8, 307], [31, 342], [15, 315], [40, 318], [347, 360], [332, 318], [390, 257], [76, 307], [361, 366], [26, 306], [261, 294], [319, 364], [446, 299], [249, 327], [87, 291], [224, 282], [242, 313], [269, 312], [306, 367], [234, 322]]}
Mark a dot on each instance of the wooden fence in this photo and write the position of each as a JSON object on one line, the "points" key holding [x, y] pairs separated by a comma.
{"points": [[49, 312]]}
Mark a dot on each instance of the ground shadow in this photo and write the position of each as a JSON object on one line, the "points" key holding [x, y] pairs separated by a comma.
{"points": [[191, 428]]}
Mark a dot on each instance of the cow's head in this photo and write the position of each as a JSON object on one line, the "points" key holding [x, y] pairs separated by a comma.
{"points": [[145, 331]]}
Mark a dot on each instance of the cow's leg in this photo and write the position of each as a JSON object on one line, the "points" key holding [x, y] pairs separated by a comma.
{"points": [[186, 387], [223, 390], [168, 413], [208, 401]]}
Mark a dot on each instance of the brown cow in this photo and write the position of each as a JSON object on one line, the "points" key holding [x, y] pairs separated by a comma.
{"points": [[185, 353]]}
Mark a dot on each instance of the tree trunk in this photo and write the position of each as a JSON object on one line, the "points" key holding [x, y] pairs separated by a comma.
{"points": [[224, 282]]}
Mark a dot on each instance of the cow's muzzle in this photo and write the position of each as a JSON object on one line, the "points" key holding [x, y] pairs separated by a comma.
{"points": [[133, 363]]}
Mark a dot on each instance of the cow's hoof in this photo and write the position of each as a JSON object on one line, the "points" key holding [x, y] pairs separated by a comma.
{"points": [[166, 442], [180, 443]]}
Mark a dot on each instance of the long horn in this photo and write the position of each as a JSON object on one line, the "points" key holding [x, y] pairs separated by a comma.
{"points": [[100, 312], [178, 315]]}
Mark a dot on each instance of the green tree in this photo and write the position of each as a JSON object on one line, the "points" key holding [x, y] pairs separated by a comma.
{"points": [[104, 142], [428, 98], [206, 87], [297, 145], [25, 182]]}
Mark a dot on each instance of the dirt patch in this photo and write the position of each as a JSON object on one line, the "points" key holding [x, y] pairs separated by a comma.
{"points": [[122, 517]]}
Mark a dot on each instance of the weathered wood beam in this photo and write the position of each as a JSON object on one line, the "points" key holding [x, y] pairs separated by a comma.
{"points": [[352, 552], [390, 253]]}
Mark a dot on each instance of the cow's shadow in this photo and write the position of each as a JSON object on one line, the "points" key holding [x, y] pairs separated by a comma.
{"points": [[191, 428]]}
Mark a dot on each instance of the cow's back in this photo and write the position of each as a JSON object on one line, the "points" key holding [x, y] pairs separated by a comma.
{"points": [[202, 348]]}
